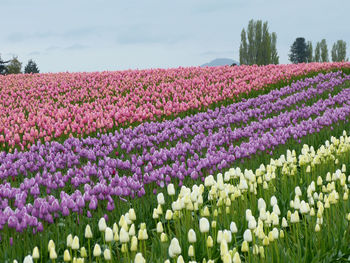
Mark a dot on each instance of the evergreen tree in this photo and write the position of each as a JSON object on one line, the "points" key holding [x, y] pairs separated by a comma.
{"points": [[309, 52], [317, 56], [3, 68], [324, 51], [31, 67], [14, 67], [339, 51], [298, 51]]}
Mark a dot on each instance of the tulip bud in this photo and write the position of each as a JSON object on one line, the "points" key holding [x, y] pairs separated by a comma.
{"points": [[245, 247], [163, 238], [180, 259], [66, 256], [132, 230], [28, 259], [69, 240], [83, 252], [108, 235], [35, 253], [75, 243], [107, 254], [123, 236], [204, 225], [281, 233], [168, 215], [124, 248], [171, 189], [53, 254], [51, 245], [247, 235], [191, 251], [102, 224], [159, 227], [317, 228], [88, 233], [134, 242], [210, 242], [174, 248], [160, 199], [266, 241], [97, 250], [139, 258], [233, 227], [132, 215], [236, 258], [192, 236]]}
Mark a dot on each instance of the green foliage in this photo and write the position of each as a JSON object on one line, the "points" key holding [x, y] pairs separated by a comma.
{"points": [[324, 51], [3, 68], [317, 57], [298, 51], [260, 48], [31, 67], [14, 67], [309, 51], [339, 51], [243, 49], [274, 54]]}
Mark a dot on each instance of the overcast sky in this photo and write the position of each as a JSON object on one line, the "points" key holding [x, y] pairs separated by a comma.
{"points": [[87, 35]]}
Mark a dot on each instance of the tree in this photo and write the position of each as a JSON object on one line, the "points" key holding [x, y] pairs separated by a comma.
{"points": [[3, 68], [274, 54], [243, 49], [309, 52], [339, 51], [324, 51], [298, 51], [14, 67], [31, 67], [258, 46], [317, 57], [266, 44]]}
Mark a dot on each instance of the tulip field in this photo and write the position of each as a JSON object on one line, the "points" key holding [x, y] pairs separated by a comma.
{"points": [[224, 164]]}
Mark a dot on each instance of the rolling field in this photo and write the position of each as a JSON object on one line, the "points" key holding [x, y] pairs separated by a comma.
{"points": [[224, 164]]}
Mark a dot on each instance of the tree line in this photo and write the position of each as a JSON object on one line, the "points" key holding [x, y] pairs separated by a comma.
{"points": [[258, 46], [302, 51], [14, 66]]}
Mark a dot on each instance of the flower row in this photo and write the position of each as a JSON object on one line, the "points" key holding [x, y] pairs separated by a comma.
{"points": [[47, 106], [237, 216], [33, 206]]}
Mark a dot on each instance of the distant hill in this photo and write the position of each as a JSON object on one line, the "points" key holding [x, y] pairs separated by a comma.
{"points": [[220, 62]]}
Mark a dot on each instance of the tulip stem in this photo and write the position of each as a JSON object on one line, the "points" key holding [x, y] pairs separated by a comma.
{"points": [[89, 250]]}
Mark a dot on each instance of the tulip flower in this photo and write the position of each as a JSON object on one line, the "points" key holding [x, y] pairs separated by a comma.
{"points": [[204, 225], [191, 236], [108, 235], [102, 224], [88, 233], [97, 250], [75, 243], [35, 254], [66, 256], [28, 259], [139, 258], [107, 254], [174, 248]]}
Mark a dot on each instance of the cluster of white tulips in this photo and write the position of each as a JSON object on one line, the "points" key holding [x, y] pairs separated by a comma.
{"points": [[233, 217]]}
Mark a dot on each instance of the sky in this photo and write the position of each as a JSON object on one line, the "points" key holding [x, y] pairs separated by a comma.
{"points": [[99, 35]]}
